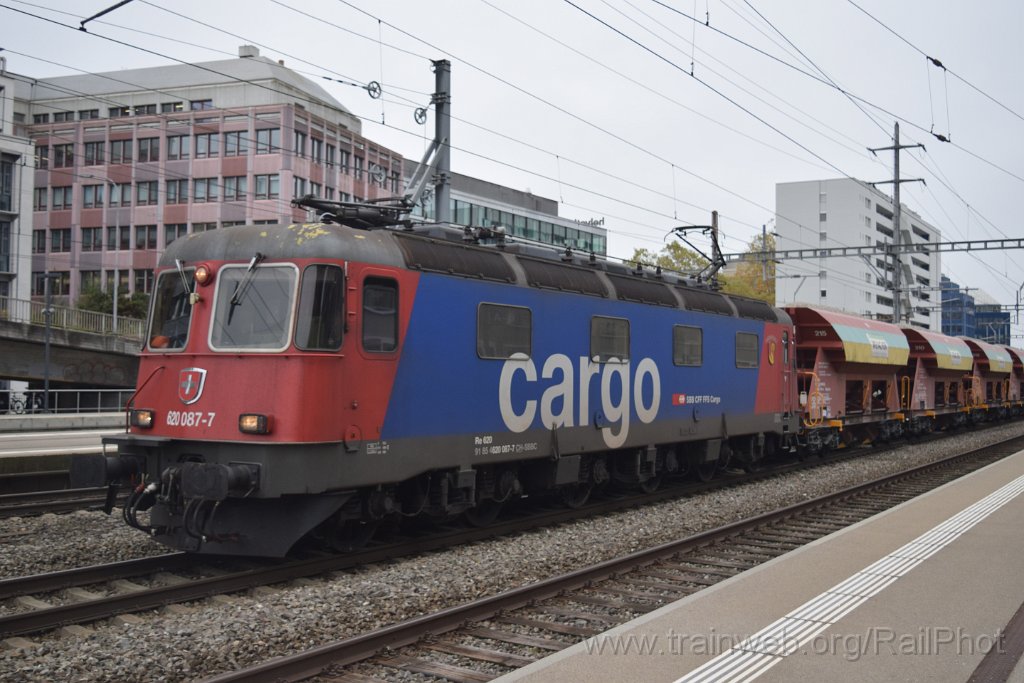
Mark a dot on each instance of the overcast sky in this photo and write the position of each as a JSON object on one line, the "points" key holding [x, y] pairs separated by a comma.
{"points": [[606, 117]]}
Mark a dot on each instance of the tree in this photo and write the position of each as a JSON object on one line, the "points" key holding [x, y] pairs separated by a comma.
{"points": [[754, 278], [95, 299], [747, 279], [673, 256]]}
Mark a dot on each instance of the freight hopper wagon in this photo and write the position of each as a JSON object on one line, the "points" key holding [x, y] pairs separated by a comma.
{"points": [[1015, 391], [932, 392], [848, 371], [987, 388]]}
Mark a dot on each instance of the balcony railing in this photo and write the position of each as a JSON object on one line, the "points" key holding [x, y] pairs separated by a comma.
{"points": [[34, 313], [64, 401]]}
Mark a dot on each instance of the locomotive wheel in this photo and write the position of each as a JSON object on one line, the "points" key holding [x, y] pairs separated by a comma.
{"points": [[352, 534], [484, 513], [576, 496], [706, 471], [651, 485]]}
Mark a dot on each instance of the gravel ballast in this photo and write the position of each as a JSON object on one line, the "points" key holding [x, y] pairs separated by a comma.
{"points": [[215, 637]]}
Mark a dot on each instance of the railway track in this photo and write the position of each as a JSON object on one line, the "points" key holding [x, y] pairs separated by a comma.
{"points": [[484, 639], [59, 500], [38, 603]]}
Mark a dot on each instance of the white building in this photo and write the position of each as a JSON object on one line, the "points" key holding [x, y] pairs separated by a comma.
{"points": [[16, 170], [819, 214]]}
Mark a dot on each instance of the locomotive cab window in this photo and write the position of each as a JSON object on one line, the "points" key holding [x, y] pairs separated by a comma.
{"points": [[321, 320], [609, 339], [503, 330], [687, 345], [172, 313], [746, 350], [253, 308], [380, 315]]}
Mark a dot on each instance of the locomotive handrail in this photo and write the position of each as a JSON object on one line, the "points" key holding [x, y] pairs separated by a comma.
{"points": [[815, 399], [905, 386]]}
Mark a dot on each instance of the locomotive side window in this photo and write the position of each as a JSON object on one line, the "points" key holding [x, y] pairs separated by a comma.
{"points": [[503, 330], [254, 307], [609, 339], [321, 319], [687, 345], [380, 315], [746, 350], [171, 312]]}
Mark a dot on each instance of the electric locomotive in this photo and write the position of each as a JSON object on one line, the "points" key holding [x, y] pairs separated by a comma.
{"points": [[309, 381]]}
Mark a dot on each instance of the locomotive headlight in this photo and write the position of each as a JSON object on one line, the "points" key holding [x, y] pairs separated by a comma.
{"points": [[141, 418], [253, 423], [203, 275]]}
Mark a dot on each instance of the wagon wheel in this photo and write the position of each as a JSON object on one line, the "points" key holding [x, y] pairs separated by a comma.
{"points": [[575, 496], [352, 534], [483, 513]]}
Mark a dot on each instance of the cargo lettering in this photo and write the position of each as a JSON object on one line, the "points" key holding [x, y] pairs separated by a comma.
{"points": [[566, 402]]}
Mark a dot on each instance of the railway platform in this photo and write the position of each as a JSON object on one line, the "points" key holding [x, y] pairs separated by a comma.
{"points": [[930, 590]]}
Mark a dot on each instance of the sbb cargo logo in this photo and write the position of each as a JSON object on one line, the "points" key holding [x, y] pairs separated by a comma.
{"points": [[566, 403]]}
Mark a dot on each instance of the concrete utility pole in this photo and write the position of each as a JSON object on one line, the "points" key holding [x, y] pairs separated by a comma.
{"points": [[442, 131], [896, 217]]}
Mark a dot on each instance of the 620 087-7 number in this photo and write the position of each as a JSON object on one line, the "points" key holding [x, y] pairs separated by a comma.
{"points": [[189, 418]]}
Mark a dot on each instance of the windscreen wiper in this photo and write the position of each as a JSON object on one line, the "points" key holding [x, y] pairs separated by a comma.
{"points": [[250, 272]]}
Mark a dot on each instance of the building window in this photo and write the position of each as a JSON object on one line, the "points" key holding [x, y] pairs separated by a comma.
{"points": [[144, 281], [92, 239], [92, 196], [149, 149], [203, 227], [145, 237], [60, 240], [236, 144], [118, 112], [171, 107], [268, 140], [609, 339], [343, 161], [234, 188], [120, 194], [121, 151], [177, 191], [298, 186], [204, 190], [177, 147], [39, 199], [43, 157], [316, 150], [316, 189], [38, 241], [61, 198], [331, 151], [122, 281], [173, 231], [89, 279], [118, 237], [358, 172], [147, 192], [59, 283], [63, 156], [94, 153], [63, 116], [267, 186], [40, 118], [200, 105], [300, 144], [207, 145]]}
